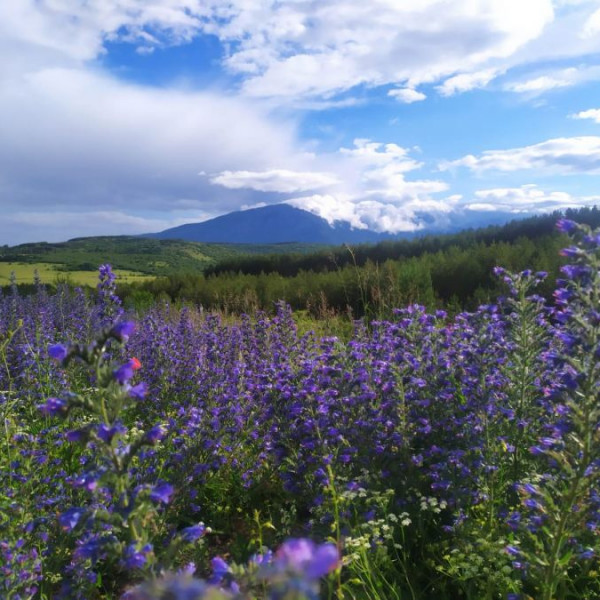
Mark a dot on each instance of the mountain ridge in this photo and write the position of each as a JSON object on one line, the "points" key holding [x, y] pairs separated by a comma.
{"points": [[283, 223], [273, 224]]}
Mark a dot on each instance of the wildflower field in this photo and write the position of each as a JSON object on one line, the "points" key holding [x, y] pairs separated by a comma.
{"points": [[172, 455]]}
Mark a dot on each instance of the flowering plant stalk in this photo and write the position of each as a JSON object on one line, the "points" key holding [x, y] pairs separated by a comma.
{"points": [[560, 503], [118, 522]]}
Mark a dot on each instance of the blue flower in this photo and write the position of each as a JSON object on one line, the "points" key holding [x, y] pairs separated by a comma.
{"points": [[106, 433], [307, 558], [136, 559], [54, 407], [138, 391], [155, 435], [122, 331], [566, 225], [162, 493], [69, 519], [58, 352], [125, 372], [193, 533]]}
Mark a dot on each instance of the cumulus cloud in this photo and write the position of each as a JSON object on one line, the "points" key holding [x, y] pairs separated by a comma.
{"points": [[560, 155], [377, 215], [78, 30], [407, 95], [275, 180], [315, 48], [465, 82], [374, 191], [592, 113], [370, 189], [527, 199]]}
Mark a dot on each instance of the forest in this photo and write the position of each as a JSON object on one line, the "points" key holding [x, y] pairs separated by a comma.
{"points": [[451, 271]]}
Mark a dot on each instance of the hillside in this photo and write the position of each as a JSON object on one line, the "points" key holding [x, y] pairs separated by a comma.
{"points": [[132, 253], [450, 271], [273, 224]]}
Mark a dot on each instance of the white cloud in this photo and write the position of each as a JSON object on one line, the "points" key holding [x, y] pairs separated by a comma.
{"points": [[561, 78], [251, 206], [375, 214], [369, 188], [378, 171], [314, 48], [374, 156], [481, 207], [374, 191], [78, 138], [527, 199], [332, 208], [560, 155], [465, 82], [592, 113], [592, 25], [57, 226], [275, 180], [77, 29], [407, 95]]}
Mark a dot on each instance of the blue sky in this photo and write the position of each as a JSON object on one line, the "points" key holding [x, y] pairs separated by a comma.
{"points": [[131, 116]]}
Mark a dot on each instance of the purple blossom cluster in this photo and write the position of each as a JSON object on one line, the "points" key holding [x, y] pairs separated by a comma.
{"points": [[480, 430]]}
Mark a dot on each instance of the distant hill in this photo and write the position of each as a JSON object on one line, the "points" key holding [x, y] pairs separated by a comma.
{"points": [[137, 254], [273, 224]]}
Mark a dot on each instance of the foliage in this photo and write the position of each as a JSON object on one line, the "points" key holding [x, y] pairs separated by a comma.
{"points": [[131, 253], [429, 456]]}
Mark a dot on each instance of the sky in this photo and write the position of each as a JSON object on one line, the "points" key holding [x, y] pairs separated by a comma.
{"points": [[133, 116]]}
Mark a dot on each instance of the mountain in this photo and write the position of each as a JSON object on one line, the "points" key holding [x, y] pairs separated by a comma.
{"points": [[274, 224]]}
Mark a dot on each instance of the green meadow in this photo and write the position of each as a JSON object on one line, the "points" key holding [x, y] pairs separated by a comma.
{"points": [[52, 273]]}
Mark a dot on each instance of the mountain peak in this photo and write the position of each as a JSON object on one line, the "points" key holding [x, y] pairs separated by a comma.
{"points": [[273, 224]]}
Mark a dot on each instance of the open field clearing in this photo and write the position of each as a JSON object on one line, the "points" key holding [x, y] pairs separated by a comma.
{"points": [[52, 273]]}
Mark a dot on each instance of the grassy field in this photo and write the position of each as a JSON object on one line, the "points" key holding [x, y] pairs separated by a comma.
{"points": [[130, 254], [53, 273]]}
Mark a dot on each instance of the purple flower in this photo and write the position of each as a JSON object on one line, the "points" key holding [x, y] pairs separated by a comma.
{"points": [[307, 558], [106, 433], [193, 533], [262, 559], [78, 435], [162, 493], [136, 559], [220, 569], [181, 587], [138, 391], [54, 407], [125, 372], [122, 331], [571, 251], [90, 549], [58, 352], [87, 481], [155, 435], [529, 488], [566, 225], [69, 519]]}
